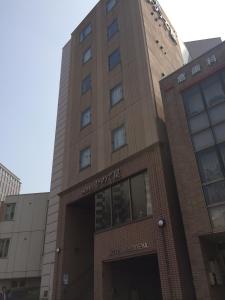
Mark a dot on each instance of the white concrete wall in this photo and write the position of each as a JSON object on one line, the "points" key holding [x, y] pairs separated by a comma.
{"points": [[26, 233], [56, 182]]}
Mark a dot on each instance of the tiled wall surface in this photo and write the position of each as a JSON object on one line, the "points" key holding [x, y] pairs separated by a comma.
{"points": [[56, 182]]}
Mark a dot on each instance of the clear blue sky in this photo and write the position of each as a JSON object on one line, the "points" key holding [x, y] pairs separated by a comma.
{"points": [[33, 33]]}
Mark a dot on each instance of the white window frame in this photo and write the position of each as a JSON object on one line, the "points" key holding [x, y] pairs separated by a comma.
{"points": [[84, 152], [84, 91], [85, 32], [87, 55], [110, 5], [111, 67], [115, 21], [115, 90], [116, 131], [83, 124]]}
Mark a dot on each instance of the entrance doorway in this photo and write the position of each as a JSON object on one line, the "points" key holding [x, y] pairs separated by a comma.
{"points": [[136, 279], [78, 252]]}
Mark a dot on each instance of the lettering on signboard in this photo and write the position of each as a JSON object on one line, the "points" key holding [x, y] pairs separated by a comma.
{"points": [[196, 69], [211, 60], [156, 7], [132, 248], [181, 78], [101, 181]]}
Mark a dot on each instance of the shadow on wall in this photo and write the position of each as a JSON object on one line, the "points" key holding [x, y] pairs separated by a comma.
{"points": [[20, 294]]}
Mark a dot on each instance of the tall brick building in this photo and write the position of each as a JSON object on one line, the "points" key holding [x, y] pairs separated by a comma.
{"points": [[194, 101], [114, 229]]}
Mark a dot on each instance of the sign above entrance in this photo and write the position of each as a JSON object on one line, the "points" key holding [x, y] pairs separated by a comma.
{"points": [[101, 181], [132, 248]]}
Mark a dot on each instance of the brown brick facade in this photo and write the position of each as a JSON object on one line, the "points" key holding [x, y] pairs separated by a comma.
{"points": [[87, 259]]}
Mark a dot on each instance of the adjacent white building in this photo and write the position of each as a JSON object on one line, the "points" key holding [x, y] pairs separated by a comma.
{"points": [[22, 235], [9, 183]]}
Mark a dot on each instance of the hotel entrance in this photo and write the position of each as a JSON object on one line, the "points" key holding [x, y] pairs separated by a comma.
{"points": [[111, 247], [136, 279]]}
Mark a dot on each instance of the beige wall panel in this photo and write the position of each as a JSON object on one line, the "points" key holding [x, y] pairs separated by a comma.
{"points": [[50, 247], [34, 256], [50, 237], [52, 218], [51, 227], [53, 209], [48, 258]]}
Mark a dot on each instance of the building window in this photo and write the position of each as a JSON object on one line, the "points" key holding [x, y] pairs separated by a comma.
{"points": [[87, 55], [112, 29], [199, 122], [86, 84], [86, 118], [123, 202], [209, 165], [4, 248], [215, 193], [203, 139], [219, 132], [116, 94], [205, 110], [114, 59], [85, 158], [84, 33], [217, 113], [193, 101], [118, 138], [110, 4], [141, 202], [213, 91], [9, 211], [103, 209], [217, 215]]}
